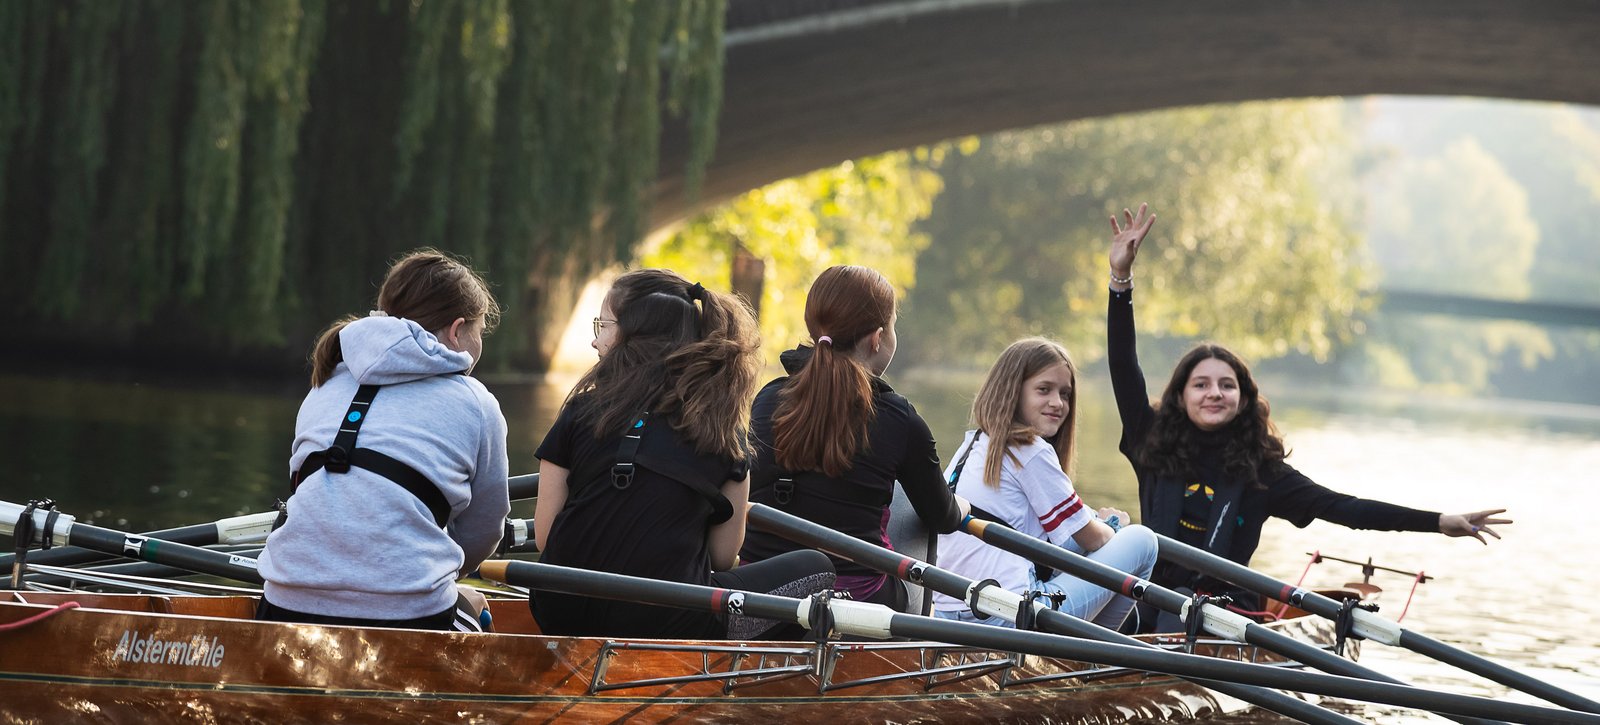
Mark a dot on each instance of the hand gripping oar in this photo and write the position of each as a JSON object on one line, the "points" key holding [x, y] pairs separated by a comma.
{"points": [[1214, 619], [879, 622], [132, 546], [996, 601], [1368, 624]]}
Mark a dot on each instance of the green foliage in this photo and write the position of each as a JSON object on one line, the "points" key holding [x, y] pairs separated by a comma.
{"points": [[1252, 246], [859, 212], [242, 171], [1456, 222], [1481, 199]]}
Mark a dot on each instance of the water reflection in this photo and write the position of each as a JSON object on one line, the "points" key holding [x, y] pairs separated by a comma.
{"points": [[142, 456]]}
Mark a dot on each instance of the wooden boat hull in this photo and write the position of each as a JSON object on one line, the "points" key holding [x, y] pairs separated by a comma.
{"points": [[136, 658]]}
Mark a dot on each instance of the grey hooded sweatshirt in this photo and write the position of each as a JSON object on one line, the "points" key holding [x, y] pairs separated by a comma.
{"points": [[357, 544]]}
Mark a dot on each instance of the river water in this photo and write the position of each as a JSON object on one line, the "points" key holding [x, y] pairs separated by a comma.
{"points": [[138, 455]]}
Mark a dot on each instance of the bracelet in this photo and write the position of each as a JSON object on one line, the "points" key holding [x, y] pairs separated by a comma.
{"points": [[1122, 280]]}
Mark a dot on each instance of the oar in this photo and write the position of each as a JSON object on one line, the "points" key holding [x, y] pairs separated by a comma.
{"points": [[1368, 624], [133, 546], [996, 601], [247, 529], [523, 487], [134, 570], [1215, 619], [879, 622], [162, 583]]}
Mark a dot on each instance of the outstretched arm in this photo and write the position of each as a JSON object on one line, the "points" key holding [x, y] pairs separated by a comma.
{"points": [[1125, 240], [1475, 524], [1127, 380]]}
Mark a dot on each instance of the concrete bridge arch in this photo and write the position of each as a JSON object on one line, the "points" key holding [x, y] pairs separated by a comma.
{"points": [[809, 83]]}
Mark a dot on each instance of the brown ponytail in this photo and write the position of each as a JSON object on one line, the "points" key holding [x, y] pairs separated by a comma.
{"points": [[824, 410], [427, 287]]}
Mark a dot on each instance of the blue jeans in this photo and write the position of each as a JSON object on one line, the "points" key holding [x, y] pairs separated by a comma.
{"points": [[1132, 550]]}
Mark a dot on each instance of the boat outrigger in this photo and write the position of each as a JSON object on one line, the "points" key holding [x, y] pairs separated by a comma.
{"points": [[85, 656]]}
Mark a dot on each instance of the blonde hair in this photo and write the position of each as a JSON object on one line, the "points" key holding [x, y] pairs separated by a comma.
{"points": [[995, 410]]}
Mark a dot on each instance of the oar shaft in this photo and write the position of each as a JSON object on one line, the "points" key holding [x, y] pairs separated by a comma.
{"points": [[947, 582], [1215, 619], [522, 487], [252, 528], [62, 576], [133, 546], [872, 620], [1368, 625]]}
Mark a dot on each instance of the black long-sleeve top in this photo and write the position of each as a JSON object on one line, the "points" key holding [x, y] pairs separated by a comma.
{"points": [[899, 447], [1288, 493]]}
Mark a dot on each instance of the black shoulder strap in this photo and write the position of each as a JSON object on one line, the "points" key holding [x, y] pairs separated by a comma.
{"points": [[1044, 573], [961, 463], [339, 457], [686, 474]]}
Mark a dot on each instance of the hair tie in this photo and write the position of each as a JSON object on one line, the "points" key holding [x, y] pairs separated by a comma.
{"points": [[826, 339], [377, 313], [697, 292]]}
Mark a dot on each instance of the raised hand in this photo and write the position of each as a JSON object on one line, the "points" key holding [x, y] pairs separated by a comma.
{"points": [[1475, 524], [1125, 239]]}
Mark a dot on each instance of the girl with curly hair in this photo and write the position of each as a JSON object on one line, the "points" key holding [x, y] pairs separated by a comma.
{"points": [[646, 469], [1209, 460]]}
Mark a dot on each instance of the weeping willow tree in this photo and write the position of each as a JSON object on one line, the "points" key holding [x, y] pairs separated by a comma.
{"points": [[228, 176]]}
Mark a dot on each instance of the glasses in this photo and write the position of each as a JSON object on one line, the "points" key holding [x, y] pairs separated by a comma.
{"points": [[600, 324]]}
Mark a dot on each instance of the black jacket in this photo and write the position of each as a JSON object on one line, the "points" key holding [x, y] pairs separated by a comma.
{"points": [[899, 447]]}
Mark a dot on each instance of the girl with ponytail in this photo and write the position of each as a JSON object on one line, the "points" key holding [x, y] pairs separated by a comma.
{"points": [[426, 462], [646, 469], [832, 437]]}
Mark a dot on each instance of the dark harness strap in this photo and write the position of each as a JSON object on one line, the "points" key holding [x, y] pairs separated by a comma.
{"points": [[1044, 573], [343, 454], [627, 460]]}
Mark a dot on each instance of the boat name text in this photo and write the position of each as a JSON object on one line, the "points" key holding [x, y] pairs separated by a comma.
{"points": [[194, 652]]}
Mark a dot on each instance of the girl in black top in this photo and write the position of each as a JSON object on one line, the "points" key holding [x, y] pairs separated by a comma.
{"points": [[832, 437], [1209, 460], [645, 471]]}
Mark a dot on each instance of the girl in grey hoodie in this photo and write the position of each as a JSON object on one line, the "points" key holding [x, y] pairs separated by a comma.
{"points": [[384, 520]]}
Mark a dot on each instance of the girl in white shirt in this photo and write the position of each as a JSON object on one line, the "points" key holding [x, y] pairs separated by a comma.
{"points": [[1028, 403]]}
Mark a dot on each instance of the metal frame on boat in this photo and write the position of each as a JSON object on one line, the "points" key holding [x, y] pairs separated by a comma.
{"points": [[201, 659]]}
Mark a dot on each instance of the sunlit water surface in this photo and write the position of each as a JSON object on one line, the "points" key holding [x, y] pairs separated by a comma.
{"points": [[141, 456]]}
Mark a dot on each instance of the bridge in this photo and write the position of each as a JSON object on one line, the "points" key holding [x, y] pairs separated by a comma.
{"points": [[809, 83], [1543, 313]]}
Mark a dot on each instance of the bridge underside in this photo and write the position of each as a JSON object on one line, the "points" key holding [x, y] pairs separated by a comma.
{"points": [[825, 81]]}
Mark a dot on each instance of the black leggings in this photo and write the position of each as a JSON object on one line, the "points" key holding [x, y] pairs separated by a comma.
{"points": [[793, 574], [458, 618]]}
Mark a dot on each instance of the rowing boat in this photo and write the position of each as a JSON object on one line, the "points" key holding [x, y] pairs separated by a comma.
{"points": [[78, 656]]}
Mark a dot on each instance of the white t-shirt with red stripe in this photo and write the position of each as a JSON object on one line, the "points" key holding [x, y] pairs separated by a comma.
{"points": [[1035, 497]]}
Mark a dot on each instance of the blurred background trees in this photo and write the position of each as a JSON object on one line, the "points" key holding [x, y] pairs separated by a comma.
{"points": [[227, 177]]}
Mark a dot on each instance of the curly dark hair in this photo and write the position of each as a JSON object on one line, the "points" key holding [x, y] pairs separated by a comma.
{"points": [[1251, 444], [696, 363]]}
